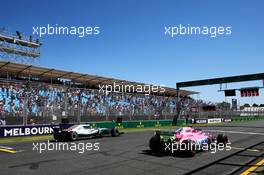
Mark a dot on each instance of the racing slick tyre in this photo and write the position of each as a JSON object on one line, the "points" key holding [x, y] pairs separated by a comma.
{"points": [[155, 144], [188, 147], [74, 136], [114, 132], [222, 139], [210, 141], [99, 135]]}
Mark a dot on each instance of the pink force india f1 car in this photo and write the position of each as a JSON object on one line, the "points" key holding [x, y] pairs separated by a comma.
{"points": [[185, 140]]}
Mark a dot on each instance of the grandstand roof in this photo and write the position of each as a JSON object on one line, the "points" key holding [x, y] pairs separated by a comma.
{"points": [[23, 70]]}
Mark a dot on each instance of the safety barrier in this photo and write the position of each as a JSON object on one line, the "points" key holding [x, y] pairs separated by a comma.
{"points": [[138, 124]]}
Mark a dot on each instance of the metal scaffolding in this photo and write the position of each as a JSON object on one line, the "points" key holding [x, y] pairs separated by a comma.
{"points": [[18, 48]]}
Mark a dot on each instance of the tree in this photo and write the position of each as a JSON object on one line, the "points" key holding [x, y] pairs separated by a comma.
{"points": [[224, 105], [246, 105], [255, 105]]}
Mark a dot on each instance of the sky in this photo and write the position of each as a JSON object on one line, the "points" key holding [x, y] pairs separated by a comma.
{"points": [[132, 44]]}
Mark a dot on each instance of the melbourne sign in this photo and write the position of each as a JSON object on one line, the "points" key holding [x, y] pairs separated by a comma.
{"points": [[13, 131]]}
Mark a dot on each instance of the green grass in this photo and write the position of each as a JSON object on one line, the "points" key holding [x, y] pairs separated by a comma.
{"points": [[25, 139], [127, 130]]}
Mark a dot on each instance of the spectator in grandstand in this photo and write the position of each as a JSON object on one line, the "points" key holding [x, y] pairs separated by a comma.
{"points": [[31, 121]]}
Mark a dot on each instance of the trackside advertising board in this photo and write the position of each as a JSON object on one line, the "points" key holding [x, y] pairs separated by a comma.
{"points": [[214, 120], [201, 121], [227, 120], [14, 131]]}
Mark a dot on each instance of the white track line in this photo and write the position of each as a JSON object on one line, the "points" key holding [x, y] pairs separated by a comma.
{"points": [[252, 150], [6, 147], [12, 149], [237, 132]]}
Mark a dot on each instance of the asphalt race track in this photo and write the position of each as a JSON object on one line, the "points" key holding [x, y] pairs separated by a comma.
{"points": [[130, 154]]}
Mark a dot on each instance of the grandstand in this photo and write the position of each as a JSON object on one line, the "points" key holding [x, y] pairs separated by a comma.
{"points": [[31, 94], [35, 95]]}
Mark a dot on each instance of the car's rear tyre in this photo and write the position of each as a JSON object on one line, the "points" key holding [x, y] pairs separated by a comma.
{"points": [[74, 136], [222, 139], [209, 141], [114, 132], [99, 134], [155, 144], [189, 146]]}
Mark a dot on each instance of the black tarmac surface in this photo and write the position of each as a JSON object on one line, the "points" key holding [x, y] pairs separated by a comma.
{"points": [[130, 154]]}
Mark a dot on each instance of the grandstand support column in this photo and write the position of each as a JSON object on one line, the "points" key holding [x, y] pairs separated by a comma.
{"points": [[107, 110], [175, 117], [165, 116], [79, 108], [25, 111]]}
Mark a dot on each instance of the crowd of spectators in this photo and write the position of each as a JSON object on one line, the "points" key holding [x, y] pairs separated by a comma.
{"points": [[44, 103], [43, 99]]}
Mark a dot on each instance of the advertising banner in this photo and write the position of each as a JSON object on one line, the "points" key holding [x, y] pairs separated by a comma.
{"points": [[201, 121], [214, 120], [14, 131]]}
